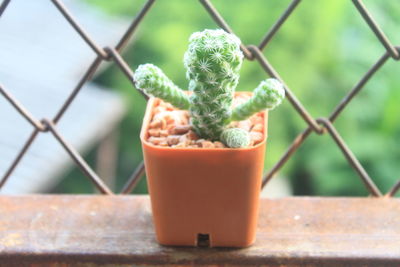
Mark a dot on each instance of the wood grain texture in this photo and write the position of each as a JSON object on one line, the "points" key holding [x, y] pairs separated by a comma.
{"points": [[80, 230]]}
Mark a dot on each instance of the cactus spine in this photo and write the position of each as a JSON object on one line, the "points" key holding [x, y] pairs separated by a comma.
{"points": [[213, 61]]}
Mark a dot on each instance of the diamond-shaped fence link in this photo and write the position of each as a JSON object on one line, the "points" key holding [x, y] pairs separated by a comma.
{"points": [[319, 126]]}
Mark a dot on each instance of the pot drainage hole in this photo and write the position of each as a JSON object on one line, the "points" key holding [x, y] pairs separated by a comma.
{"points": [[203, 240]]}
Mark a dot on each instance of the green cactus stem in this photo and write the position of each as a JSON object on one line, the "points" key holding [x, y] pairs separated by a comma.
{"points": [[212, 61], [267, 95], [153, 81], [235, 137]]}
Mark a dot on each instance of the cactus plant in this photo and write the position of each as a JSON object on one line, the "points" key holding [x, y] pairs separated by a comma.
{"points": [[213, 61]]}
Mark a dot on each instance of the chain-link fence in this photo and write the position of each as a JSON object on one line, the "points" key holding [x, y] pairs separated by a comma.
{"points": [[320, 126]]}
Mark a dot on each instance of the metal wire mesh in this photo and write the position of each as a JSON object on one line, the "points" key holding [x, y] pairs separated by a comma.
{"points": [[320, 126]]}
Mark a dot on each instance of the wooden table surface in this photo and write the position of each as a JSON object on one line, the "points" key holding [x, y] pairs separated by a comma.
{"points": [[64, 229]]}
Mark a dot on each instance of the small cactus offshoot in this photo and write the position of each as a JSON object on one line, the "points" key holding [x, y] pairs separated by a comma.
{"points": [[212, 61], [235, 137]]}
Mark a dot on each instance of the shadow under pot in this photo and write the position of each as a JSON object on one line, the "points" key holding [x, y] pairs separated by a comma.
{"points": [[203, 196]]}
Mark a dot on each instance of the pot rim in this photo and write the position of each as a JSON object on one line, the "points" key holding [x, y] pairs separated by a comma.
{"points": [[146, 122]]}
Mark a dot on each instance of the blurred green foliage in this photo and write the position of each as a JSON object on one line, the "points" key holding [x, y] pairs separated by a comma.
{"points": [[321, 52]]}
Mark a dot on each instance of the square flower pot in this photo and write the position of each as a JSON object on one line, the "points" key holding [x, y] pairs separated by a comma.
{"points": [[203, 196]]}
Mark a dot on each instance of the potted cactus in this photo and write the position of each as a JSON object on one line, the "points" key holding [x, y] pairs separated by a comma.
{"points": [[203, 163]]}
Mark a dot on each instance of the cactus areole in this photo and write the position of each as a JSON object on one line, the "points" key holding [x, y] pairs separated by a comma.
{"points": [[212, 61]]}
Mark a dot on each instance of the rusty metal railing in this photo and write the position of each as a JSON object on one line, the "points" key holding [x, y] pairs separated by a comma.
{"points": [[320, 126]]}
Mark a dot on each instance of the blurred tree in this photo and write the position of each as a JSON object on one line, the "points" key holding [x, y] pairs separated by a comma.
{"points": [[321, 52]]}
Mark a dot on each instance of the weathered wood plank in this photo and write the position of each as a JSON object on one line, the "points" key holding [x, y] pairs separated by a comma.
{"points": [[118, 230]]}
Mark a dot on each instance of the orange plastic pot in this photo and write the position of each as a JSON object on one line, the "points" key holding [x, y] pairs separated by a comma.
{"points": [[203, 195]]}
